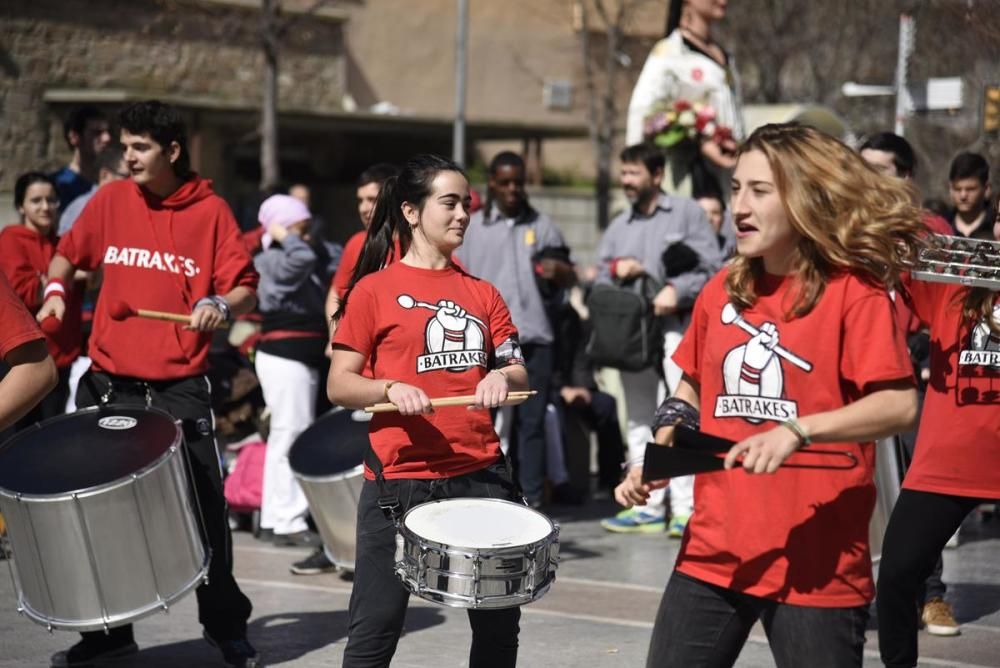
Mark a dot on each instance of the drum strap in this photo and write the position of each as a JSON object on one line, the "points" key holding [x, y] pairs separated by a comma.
{"points": [[387, 501]]}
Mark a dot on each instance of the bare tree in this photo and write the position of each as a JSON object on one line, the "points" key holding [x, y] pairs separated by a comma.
{"points": [[271, 29], [603, 24]]}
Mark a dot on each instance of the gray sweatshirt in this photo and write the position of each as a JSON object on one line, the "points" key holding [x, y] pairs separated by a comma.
{"points": [[645, 238]]}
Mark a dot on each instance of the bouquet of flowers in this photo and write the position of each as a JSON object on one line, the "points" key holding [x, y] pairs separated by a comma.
{"points": [[680, 121]]}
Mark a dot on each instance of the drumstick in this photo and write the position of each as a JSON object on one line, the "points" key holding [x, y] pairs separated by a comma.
{"points": [[120, 310], [513, 399]]}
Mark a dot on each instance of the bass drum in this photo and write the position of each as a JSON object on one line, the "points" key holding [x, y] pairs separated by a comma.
{"points": [[328, 461], [100, 517]]}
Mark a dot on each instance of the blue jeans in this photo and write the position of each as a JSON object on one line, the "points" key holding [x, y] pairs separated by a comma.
{"points": [[379, 599], [529, 421], [699, 624]]}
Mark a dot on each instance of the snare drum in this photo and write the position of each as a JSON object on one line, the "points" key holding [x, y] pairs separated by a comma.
{"points": [[477, 553], [327, 461], [100, 517]]}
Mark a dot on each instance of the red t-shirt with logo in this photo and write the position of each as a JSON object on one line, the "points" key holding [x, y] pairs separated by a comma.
{"points": [[958, 444], [161, 255], [437, 330], [17, 326], [798, 536], [24, 259]]}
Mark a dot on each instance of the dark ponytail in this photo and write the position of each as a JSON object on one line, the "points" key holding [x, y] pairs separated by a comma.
{"points": [[674, 16], [413, 185]]}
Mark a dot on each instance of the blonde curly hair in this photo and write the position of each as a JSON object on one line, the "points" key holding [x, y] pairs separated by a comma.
{"points": [[849, 217]]}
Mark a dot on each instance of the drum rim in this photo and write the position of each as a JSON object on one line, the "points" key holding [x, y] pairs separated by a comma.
{"points": [[550, 539], [86, 492], [334, 477]]}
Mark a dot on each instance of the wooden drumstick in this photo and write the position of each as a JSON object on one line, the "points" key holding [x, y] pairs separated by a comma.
{"points": [[513, 399], [120, 310]]}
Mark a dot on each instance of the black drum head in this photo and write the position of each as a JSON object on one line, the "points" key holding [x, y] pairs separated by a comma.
{"points": [[89, 448], [335, 443]]}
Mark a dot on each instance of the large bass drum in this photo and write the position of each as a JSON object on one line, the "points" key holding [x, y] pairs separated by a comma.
{"points": [[327, 459], [100, 517]]}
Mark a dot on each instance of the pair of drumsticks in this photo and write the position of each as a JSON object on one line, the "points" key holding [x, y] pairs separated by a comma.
{"points": [[120, 310]]}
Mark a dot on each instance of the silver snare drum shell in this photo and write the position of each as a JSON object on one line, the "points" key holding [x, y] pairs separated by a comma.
{"points": [[121, 546], [477, 552]]}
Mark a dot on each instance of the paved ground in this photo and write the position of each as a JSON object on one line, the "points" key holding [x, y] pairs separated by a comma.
{"points": [[598, 613]]}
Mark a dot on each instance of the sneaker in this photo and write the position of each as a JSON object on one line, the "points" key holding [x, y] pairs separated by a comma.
{"points": [[634, 521], [237, 653], [677, 525], [314, 564], [938, 618], [94, 649]]}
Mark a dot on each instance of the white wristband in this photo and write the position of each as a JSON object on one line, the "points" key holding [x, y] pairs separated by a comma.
{"points": [[54, 289]]}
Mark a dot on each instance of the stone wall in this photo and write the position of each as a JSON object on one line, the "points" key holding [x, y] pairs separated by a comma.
{"points": [[178, 49]]}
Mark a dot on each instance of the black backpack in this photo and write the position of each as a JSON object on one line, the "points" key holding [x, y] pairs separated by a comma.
{"points": [[624, 332]]}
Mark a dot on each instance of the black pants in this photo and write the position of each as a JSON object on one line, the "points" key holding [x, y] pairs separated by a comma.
{"points": [[601, 417], [379, 599], [920, 525], [934, 586], [700, 624], [222, 608]]}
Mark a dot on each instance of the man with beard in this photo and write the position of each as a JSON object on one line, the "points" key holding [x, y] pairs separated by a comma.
{"points": [[523, 254], [635, 246]]}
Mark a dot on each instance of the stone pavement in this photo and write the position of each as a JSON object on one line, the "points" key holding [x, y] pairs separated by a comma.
{"points": [[599, 612]]}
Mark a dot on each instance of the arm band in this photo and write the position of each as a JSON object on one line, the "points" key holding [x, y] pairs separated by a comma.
{"points": [[509, 352], [673, 412]]}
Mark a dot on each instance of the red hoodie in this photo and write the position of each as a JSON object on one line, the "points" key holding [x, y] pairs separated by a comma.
{"points": [[24, 259], [162, 255]]}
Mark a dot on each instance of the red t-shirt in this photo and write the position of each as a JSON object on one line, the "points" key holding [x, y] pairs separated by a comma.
{"points": [[798, 536], [17, 326], [348, 260], [437, 330], [24, 258], [162, 255], [958, 444]]}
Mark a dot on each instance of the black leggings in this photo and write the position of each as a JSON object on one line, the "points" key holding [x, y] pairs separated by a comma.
{"points": [[920, 525], [379, 600]]}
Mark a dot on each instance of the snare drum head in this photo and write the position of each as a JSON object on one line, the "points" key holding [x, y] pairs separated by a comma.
{"points": [[89, 448], [335, 443], [477, 524]]}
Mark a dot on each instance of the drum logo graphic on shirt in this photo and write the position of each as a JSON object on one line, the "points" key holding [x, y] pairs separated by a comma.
{"points": [[454, 340], [753, 376], [979, 365], [117, 422]]}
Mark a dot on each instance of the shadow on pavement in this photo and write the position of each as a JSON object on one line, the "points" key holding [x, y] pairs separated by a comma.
{"points": [[278, 638]]}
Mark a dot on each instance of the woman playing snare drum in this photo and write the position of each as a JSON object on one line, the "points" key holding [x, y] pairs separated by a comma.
{"points": [[794, 342], [422, 327]]}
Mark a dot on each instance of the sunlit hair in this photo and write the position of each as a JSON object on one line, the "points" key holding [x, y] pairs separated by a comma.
{"points": [[849, 217]]}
